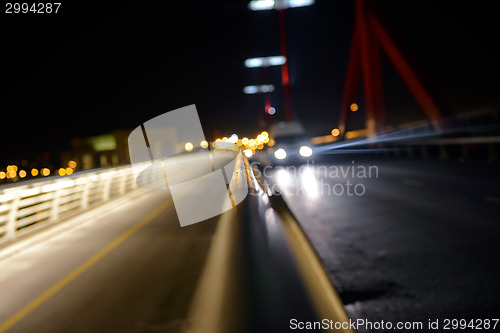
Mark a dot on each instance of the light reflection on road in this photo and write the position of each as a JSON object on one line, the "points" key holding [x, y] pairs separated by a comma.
{"points": [[298, 181]]}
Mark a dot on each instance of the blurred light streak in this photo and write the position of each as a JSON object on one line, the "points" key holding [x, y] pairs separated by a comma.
{"points": [[416, 132], [265, 61], [356, 134], [309, 182], [261, 4], [250, 89], [323, 139], [363, 151], [300, 3], [276, 61], [278, 4], [265, 88], [283, 177]]}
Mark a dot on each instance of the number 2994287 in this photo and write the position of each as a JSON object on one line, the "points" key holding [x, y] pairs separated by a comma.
{"points": [[32, 8]]}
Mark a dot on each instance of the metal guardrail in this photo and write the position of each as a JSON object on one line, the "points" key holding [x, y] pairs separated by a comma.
{"points": [[261, 272], [471, 148], [34, 204], [480, 148]]}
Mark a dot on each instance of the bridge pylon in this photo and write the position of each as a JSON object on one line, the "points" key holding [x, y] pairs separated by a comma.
{"points": [[369, 36]]}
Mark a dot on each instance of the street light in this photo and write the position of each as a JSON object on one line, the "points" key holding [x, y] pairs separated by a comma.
{"points": [[265, 61], [278, 4], [265, 88]]}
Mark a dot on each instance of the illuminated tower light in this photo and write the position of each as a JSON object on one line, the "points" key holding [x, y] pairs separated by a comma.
{"points": [[265, 61]]}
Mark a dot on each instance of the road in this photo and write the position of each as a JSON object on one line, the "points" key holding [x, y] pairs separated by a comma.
{"points": [[133, 270], [402, 240], [421, 240]]}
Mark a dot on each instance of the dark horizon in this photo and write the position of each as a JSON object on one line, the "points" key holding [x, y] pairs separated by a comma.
{"points": [[91, 69]]}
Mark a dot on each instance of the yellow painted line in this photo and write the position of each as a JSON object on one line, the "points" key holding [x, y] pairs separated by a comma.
{"points": [[324, 296], [30, 307]]}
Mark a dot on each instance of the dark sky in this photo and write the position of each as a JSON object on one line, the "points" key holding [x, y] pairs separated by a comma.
{"points": [[93, 68]]}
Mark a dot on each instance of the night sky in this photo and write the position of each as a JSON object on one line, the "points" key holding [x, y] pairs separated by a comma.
{"points": [[93, 68]]}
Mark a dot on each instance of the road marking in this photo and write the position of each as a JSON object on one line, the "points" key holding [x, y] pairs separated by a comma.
{"points": [[412, 182], [30, 307], [491, 199], [324, 297]]}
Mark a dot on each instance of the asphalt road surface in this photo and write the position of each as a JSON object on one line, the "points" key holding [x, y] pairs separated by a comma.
{"points": [[133, 270], [403, 240], [419, 240]]}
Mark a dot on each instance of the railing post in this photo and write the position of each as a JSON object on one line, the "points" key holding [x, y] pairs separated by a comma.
{"points": [[10, 227], [85, 195], [54, 211], [130, 176], [107, 188], [54, 195], [123, 181]]}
